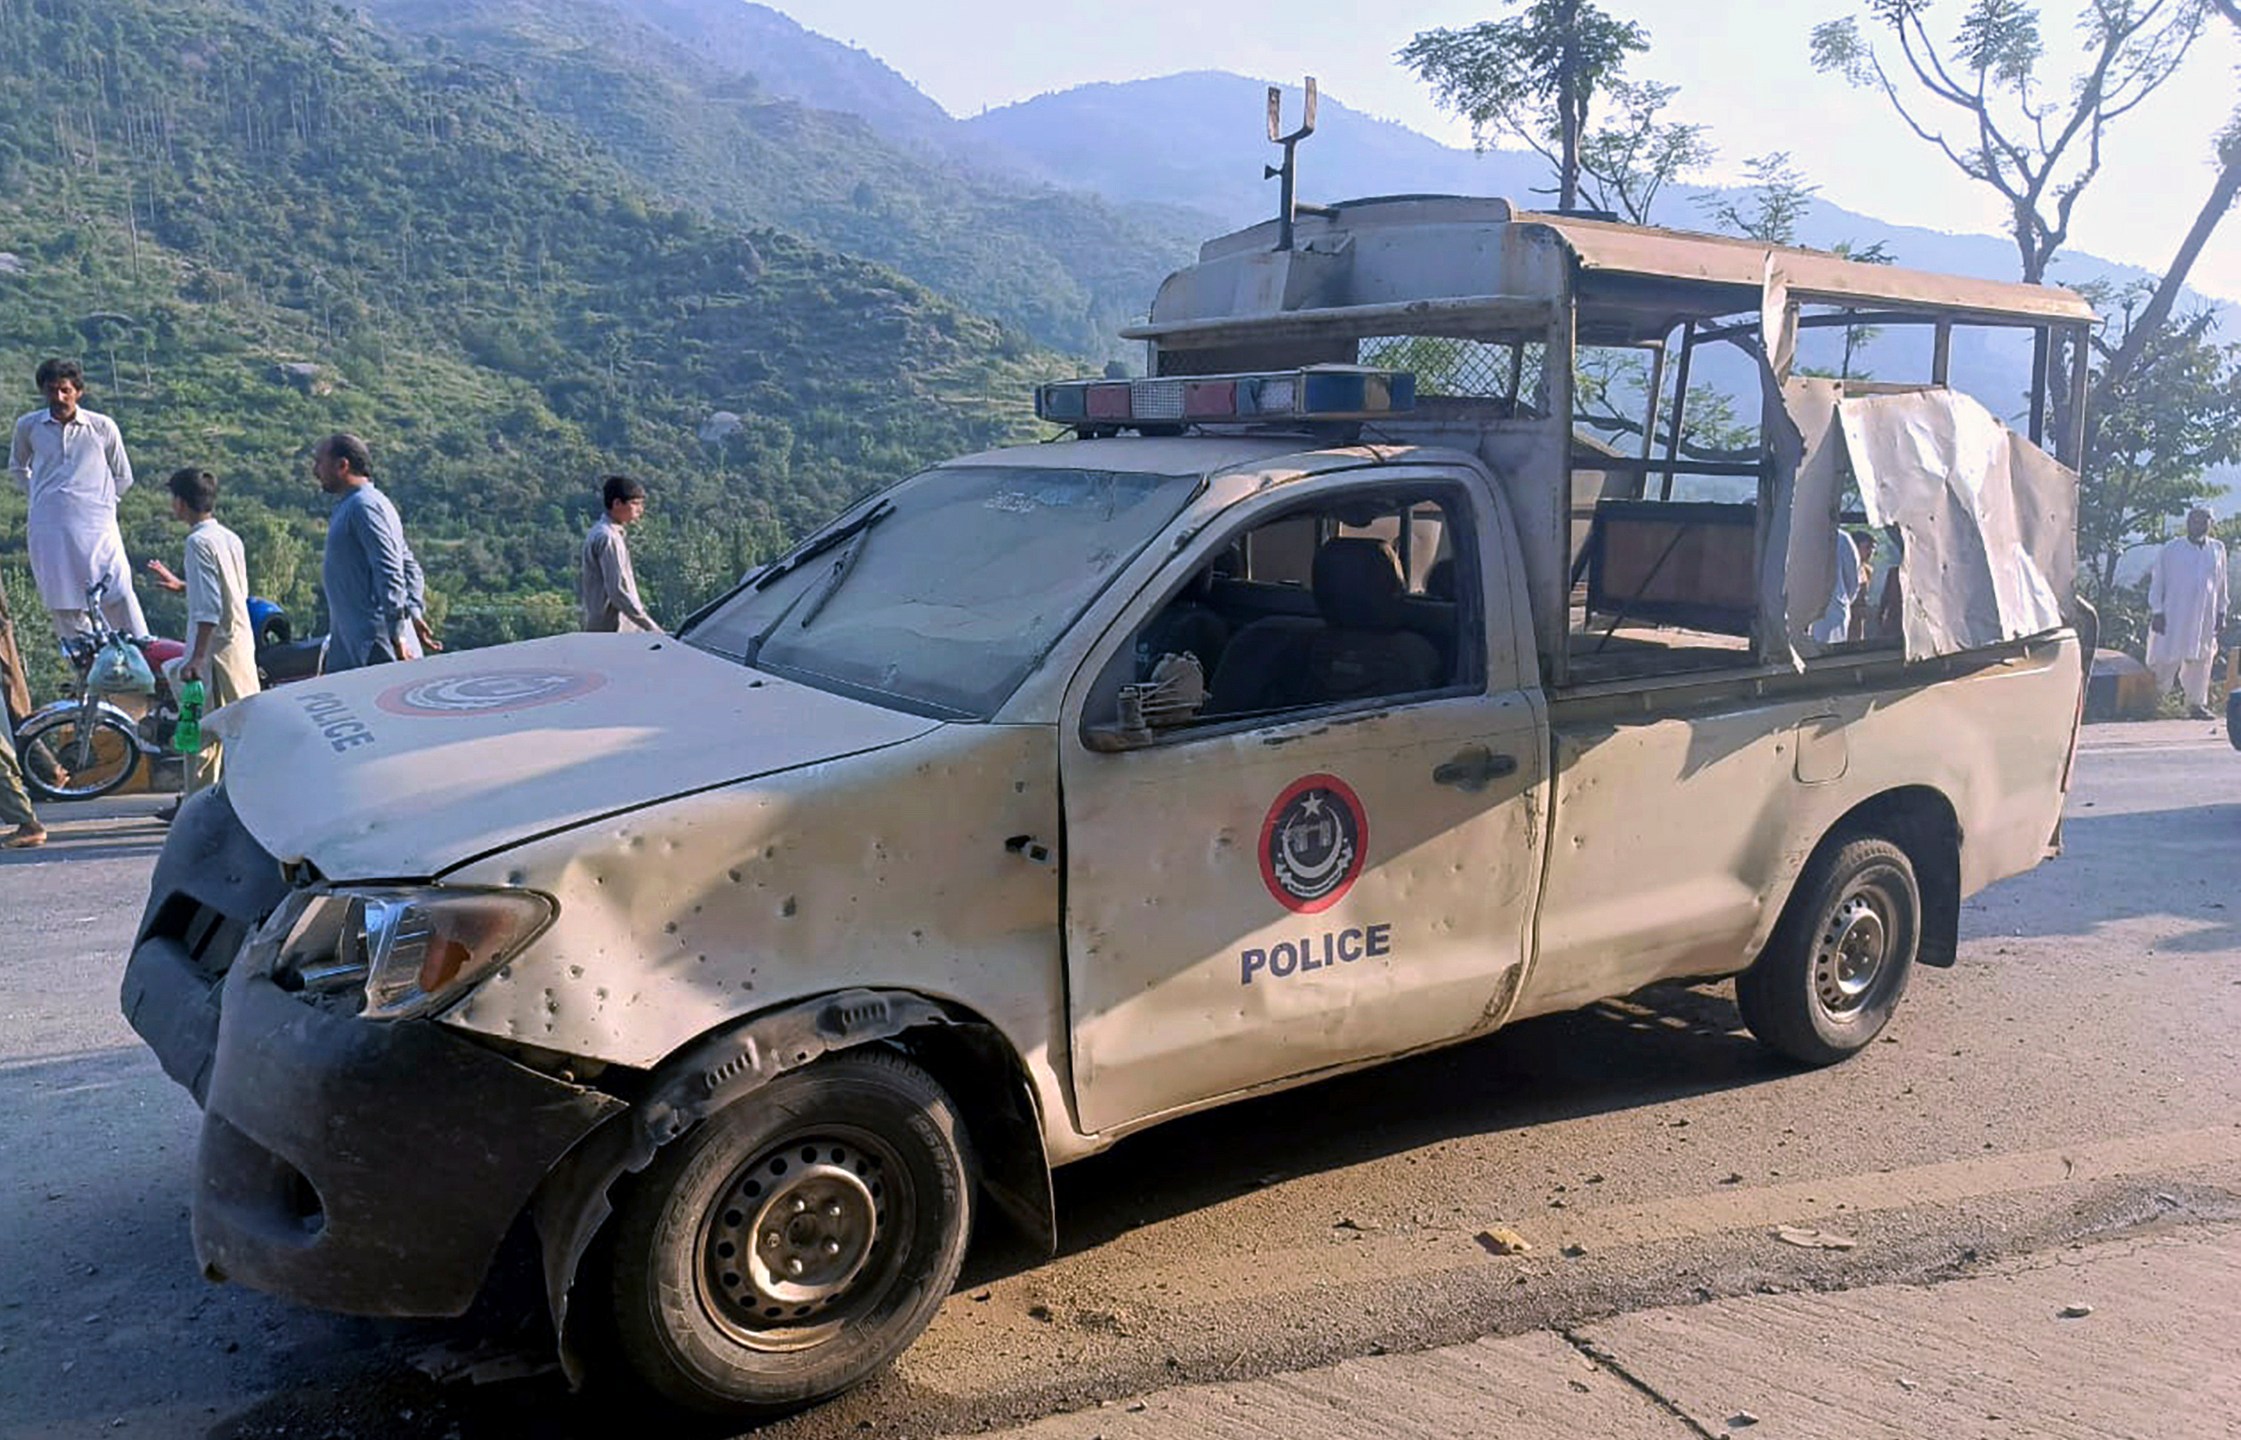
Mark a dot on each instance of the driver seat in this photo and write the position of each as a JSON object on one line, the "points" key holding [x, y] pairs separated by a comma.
{"points": [[1359, 649]]}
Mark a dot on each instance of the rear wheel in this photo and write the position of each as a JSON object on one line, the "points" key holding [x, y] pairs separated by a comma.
{"points": [[64, 758], [1839, 959], [795, 1242]]}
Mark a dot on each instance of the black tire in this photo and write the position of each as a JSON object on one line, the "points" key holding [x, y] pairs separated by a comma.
{"points": [[62, 761], [710, 1311], [1840, 956]]}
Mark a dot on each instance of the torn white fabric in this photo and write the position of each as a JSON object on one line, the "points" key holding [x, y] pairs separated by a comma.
{"points": [[1801, 575], [1988, 520]]}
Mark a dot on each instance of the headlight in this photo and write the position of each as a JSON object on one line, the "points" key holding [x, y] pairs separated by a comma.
{"points": [[408, 952]]}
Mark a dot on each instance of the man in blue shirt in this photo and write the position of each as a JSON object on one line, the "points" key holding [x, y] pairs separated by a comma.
{"points": [[372, 581]]}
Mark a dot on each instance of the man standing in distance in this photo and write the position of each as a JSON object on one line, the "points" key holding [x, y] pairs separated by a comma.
{"points": [[373, 614], [608, 585], [2186, 609], [73, 463]]}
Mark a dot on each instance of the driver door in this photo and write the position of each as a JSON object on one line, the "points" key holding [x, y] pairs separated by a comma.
{"points": [[1259, 895]]}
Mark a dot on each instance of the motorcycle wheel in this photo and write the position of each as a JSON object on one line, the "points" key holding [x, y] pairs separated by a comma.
{"points": [[64, 759]]}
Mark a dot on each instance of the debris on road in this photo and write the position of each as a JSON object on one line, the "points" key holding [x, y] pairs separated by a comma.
{"points": [[2075, 1312], [481, 1364], [1741, 1419], [1810, 1239], [1501, 1240]]}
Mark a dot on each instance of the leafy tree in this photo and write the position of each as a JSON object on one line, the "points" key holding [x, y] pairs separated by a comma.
{"points": [[1774, 202], [1533, 76], [2175, 413], [1624, 166]]}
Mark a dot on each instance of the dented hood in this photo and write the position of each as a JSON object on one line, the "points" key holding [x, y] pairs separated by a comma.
{"points": [[404, 771]]}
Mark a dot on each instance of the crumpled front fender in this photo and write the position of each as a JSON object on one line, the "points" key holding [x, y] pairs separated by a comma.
{"points": [[720, 1069]]}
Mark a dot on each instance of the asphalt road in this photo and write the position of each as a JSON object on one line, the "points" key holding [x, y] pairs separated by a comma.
{"points": [[2073, 1076]]}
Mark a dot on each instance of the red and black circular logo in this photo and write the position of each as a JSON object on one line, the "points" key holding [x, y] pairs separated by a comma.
{"points": [[1313, 843]]}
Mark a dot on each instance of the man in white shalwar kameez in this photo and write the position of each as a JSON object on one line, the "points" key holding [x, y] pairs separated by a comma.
{"points": [[2186, 610], [73, 463]]}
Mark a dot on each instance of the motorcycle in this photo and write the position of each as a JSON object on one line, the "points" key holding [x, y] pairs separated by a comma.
{"points": [[94, 744]]}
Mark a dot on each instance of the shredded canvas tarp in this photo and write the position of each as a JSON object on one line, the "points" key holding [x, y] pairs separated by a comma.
{"points": [[1988, 520], [1800, 563]]}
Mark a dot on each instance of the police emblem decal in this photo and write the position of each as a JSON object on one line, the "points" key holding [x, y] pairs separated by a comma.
{"points": [[1313, 843], [487, 692]]}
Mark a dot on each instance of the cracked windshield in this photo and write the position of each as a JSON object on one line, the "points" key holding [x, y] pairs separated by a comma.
{"points": [[945, 593]]}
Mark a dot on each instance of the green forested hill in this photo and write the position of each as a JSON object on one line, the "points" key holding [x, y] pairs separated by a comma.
{"points": [[259, 220], [677, 95]]}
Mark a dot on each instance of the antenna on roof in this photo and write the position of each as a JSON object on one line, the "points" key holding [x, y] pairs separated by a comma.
{"points": [[1288, 202]]}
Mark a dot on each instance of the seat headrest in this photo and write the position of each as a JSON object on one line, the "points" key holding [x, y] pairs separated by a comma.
{"points": [[1358, 584]]}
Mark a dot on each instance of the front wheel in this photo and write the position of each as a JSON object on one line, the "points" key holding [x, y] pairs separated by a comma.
{"points": [[795, 1242], [65, 758], [1838, 961]]}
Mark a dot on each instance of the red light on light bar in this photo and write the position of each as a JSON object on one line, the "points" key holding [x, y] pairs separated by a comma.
{"points": [[1211, 399], [1109, 402]]}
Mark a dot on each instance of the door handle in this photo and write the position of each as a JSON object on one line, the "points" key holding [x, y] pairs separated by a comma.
{"points": [[1474, 768]]}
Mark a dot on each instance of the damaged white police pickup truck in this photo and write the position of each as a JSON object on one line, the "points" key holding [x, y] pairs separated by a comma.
{"points": [[1358, 683]]}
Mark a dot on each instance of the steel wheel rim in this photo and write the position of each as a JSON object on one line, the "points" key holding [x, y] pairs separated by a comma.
{"points": [[1859, 936], [779, 1210]]}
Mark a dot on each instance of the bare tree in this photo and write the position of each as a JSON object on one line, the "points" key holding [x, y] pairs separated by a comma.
{"points": [[1985, 105]]}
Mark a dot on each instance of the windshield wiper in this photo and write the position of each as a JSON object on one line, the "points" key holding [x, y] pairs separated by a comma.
{"points": [[837, 536], [834, 579], [812, 599]]}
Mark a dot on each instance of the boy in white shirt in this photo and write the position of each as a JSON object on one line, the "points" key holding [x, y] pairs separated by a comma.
{"points": [[221, 650]]}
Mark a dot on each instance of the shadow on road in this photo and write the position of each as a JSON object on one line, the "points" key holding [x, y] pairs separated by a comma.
{"points": [[109, 838], [1668, 1043], [2140, 853]]}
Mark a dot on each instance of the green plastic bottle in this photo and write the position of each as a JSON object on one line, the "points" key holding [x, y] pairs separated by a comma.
{"points": [[186, 737]]}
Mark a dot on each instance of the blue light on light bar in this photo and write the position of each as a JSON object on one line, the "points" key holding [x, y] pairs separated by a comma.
{"points": [[1316, 393]]}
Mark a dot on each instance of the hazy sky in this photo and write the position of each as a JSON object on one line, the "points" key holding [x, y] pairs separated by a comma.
{"points": [[1741, 66]]}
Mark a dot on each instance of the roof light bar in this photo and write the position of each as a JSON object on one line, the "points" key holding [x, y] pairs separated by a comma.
{"points": [[1316, 393]]}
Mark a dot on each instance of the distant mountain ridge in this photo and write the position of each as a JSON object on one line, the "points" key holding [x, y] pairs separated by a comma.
{"points": [[709, 114], [1210, 149]]}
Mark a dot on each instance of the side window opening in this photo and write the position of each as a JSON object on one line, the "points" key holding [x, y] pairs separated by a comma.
{"points": [[1667, 467], [1351, 598], [1677, 487]]}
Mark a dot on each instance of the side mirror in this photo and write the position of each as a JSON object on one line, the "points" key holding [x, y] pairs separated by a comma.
{"points": [[1173, 696], [1114, 739]]}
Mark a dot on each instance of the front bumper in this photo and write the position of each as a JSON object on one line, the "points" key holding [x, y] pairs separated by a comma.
{"points": [[365, 1166], [368, 1166]]}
